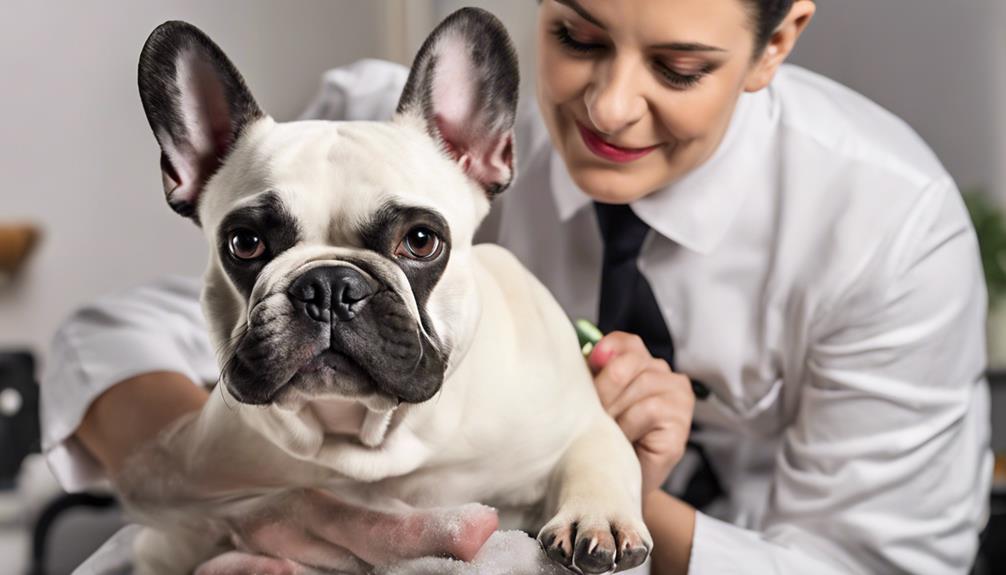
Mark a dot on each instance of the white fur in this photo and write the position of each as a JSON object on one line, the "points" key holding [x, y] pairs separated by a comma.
{"points": [[515, 424]]}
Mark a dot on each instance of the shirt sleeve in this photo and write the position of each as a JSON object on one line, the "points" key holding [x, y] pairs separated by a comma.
{"points": [[886, 468], [157, 327], [366, 90]]}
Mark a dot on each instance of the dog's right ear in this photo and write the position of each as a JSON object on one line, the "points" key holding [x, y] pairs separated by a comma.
{"points": [[463, 89], [197, 105]]}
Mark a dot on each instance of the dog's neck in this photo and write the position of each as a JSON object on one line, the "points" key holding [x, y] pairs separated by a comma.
{"points": [[352, 418], [339, 416]]}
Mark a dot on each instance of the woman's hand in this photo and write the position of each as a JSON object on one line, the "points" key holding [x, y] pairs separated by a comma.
{"points": [[652, 404], [313, 527]]}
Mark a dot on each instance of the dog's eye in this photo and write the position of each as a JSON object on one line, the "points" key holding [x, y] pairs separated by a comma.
{"points": [[420, 244], [246, 244]]}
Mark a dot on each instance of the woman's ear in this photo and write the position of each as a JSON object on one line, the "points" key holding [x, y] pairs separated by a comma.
{"points": [[780, 44]]}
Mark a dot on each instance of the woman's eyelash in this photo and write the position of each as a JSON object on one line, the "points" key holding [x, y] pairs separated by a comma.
{"points": [[562, 34], [674, 79], [679, 80]]}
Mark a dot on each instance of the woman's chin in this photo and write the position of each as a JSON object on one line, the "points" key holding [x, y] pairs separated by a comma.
{"points": [[613, 186]]}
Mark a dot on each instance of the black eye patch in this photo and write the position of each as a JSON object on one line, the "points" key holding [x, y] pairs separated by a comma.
{"points": [[269, 219], [389, 225], [391, 222]]}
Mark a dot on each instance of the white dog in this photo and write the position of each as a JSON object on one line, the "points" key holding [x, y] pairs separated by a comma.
{"points": [[368, 350]]}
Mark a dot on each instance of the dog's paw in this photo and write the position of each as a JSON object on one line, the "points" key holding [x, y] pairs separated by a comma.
{"points": [[595, 543]]}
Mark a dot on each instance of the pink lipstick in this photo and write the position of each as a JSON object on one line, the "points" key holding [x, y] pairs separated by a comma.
{"points": [[595, 143]]}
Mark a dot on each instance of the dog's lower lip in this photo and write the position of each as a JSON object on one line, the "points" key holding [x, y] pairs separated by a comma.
{"points": [[596, 144], [322, 360]]}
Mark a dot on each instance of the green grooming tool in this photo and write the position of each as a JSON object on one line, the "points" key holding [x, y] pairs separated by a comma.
{"points": [[588, 334]]}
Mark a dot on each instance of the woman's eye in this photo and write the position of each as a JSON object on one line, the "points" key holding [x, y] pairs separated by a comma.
{"points": [[419, 244], [567, 40], [678, 80], [246, 245]]}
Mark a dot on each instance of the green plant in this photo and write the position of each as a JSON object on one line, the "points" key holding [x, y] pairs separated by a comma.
{"points": [[990, 225]]}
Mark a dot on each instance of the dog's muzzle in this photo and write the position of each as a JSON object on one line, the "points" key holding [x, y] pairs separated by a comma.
{"points": [[334, 330], [330, 293]]}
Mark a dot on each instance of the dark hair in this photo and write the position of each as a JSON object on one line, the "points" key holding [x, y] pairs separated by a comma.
{"points": [[767, 15]]}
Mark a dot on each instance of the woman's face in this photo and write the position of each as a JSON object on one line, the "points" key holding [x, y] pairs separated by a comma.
{"points": [[637, 93]]}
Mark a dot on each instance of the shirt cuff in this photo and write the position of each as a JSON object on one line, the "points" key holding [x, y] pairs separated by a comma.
{"points": [[719, 548], [716, 545]]}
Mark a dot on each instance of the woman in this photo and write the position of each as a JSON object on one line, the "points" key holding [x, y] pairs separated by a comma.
{"points": [[763, 236]]}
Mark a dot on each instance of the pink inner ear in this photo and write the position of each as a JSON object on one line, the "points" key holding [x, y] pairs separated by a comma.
{"points": [[453, 92], [212, 117], [453, 141], [486, 156], [206, 116]]}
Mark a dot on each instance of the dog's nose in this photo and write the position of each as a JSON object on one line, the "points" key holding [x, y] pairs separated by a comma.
{"points": [[339, 290]]}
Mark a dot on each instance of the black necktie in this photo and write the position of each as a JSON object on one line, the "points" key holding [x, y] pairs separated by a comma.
{"points": [[628, 304]]}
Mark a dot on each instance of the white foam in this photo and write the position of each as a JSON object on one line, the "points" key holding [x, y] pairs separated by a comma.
{"points": [[505, 553]]}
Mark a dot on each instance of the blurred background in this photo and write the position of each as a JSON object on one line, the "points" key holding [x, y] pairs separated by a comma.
{"points": [[82, 211]]}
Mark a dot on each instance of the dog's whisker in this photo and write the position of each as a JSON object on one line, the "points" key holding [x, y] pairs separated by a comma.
{"points": [[229, 349]]}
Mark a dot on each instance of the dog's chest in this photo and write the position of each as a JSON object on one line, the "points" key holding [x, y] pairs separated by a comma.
{"points": [[516, 490], [339, 417]]}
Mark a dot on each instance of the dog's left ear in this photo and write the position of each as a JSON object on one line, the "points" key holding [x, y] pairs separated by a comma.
{"points": [[463, 88]]}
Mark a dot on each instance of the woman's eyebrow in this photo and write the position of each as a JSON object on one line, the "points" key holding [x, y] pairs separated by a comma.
{"points": [[576, 7], [687, 47], [675, 46]]}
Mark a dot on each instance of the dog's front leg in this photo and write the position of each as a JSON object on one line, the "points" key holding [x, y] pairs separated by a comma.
{"points": [[593, 500]]}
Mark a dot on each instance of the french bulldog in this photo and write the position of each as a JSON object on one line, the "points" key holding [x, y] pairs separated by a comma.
{"points": [[367, 348]]}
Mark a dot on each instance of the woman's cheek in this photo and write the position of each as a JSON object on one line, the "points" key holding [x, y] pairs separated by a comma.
{"points": [[690, 116], [562, 78]]}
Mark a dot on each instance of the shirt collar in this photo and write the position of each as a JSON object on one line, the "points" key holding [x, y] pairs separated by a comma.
{"points": [[697, 210]]}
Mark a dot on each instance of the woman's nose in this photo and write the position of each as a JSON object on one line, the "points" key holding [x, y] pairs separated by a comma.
{"points": [[614, 99]]}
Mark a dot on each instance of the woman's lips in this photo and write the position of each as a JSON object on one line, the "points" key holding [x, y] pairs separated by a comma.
{"points": [[611, 152]]}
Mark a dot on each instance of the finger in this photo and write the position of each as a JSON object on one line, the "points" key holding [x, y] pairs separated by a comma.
{"points": [[293, 542], [620, 372], [239, 563], [457, 532], [653, 381], [646, 416], [612, 345]]}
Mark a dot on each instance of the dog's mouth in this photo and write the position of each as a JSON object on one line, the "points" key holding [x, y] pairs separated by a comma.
{"points": [[332, 360], [380, 350], [326, 371], [332, 369]]}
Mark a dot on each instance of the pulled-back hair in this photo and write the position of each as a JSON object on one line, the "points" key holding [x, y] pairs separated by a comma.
{"points": [[767, 15]]}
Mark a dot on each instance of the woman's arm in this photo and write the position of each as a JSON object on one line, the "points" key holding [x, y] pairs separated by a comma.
{"points": [[672, 524], [134, 411], [118, 370]]}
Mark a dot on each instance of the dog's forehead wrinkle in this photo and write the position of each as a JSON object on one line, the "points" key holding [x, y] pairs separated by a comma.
{"points": [[345, 169]]}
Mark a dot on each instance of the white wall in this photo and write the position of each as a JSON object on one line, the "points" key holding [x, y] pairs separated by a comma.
{"points": [[939, 65], [996, 28], [77, 156], [519, 16]]}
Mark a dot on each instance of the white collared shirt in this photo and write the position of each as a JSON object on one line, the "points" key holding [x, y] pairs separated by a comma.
{"points": [[819, 274]]}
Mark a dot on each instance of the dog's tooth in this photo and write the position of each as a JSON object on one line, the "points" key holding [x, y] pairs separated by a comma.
{"points": [[375, 427]]}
